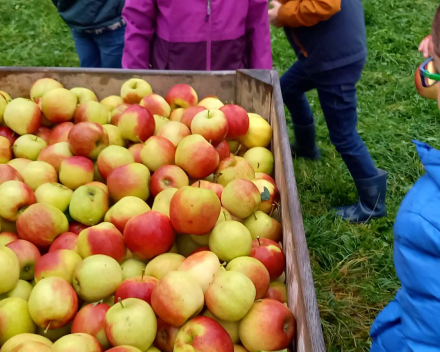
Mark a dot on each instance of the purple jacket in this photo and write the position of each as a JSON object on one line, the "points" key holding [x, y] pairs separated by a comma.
{"points": [[197, 34]]}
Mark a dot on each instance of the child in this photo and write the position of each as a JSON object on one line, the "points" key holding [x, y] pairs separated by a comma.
{"points": [[197, 35], [411, 321], [97, 28], [328, 37]]}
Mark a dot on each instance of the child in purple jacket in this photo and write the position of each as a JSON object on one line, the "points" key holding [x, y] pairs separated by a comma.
{"points": [[197, 35]]}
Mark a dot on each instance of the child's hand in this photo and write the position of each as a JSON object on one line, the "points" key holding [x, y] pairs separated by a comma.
{"points": [[273, 13], [425, 46]]}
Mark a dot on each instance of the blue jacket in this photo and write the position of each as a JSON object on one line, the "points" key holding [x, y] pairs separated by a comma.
{"points": [[411, 322], [334, 43]]}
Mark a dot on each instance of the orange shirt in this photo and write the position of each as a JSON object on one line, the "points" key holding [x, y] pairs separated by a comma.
{"points": [[307, 13]]}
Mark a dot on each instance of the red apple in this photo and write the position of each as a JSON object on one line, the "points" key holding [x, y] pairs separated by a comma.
{"points": [[76, 171], [54, 154], [156, 105], [157, 152], [166, 336], [88, 139], [67, 240], [136, 287], [238, 120], [277, 291], [76, 227], [194, 211], [218, 189], [91, 111], [27, 255], [129, 180], [174, 131], [211, 124], [181, 96], [91, 320], [196, 156], [136, 124], [23, 116], [269, 326], [260, 175], [8, 173], [61, 263], [269, 195], [9, 134], [241, 198], [136, 150], [15, 197], [270, 254], [133, 90], [223, 150], [189, 114], [149, 235], [203, 334], [44, 133], [168, 176], [41, 86], [112, 157], [232, 168], [117, 113], [58, 105], [60, 132]]}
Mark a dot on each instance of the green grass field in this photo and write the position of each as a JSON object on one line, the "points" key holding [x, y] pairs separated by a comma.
{"points": [[352, 264]]}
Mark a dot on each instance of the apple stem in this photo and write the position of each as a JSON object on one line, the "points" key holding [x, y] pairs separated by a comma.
{"points": [[258, 239], [255, 216], [143, 273], [238, 149], [272, 210], [91, 222], [120, 301], [210, 141], [47, 328], [258, 165], [200, 182], [224, 214]]}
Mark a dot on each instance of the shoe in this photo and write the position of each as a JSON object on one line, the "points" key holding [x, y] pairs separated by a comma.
{"points": [[305, 144], [371, 205]]}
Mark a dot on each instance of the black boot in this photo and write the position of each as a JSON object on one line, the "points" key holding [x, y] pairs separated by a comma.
{"points": [[305, 144], [372, 192]]}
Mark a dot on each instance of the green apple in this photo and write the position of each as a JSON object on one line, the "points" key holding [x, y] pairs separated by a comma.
{"points": [[203, 267], [261, 159], [163, 264], [9, 269], [54, 194], [37, 173], [132, 268], [186, 245], [21, 290], [162, 201], [241, 197], [229, 240], [88, 205], [114, 135], [261, 225], [14, 318], [28, 146]]}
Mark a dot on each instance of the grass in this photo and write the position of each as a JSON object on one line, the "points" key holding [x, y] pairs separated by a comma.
{"points": [[352, 264]]}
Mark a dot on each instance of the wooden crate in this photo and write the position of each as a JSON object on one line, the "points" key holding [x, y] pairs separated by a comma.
{"points": [[257, 91]]}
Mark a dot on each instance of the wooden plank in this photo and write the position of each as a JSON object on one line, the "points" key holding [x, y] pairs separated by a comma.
{"points": [[104, 82]]}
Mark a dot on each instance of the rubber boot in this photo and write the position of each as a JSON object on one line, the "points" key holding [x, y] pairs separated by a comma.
{"points": [[371, 205], [305, 144]]}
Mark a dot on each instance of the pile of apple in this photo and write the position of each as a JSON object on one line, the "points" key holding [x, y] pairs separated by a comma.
{"points": [[138, 223]]}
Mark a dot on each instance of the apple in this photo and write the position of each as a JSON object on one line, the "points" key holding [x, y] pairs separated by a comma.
{"points": [[259, 133], [96, 175], [41, 86], [200, 249], [15, 197], [112, 102], [230, 296], [112, 157], [76, 171], [163, 264], [177, 114], [60, 132], [260, 158], [136, 287], [91, 111], [177, 297], [189, 114], [129, 180], [9, 269], [204, 240], [166, 336], [3, 103], [196, 156], [211, 124], [168, 176], [77, 342], [105, 239], [229, 240], [203, 267], [67, 240], [203, 334], [101, 185], [133, 90], [157, 152], [156, 105], [52, 303], [238, 121], [58, 105], [132, 268], [114, 135], [261, 225], [41, 224], [233, 168], [44, 133], [159, 122], [230, 326], [136, 124], [22, 290], [37, 173], [211, 103], [174, 131], [97, 277], [194, 211], [259, 175], [269, 326], [117, 113], [54, 194], [19, 339], [14, 318], [125, 348], [8, 133], [241, 198], [217, 188], [271, 255], [27, 255], [88, 205], [223, 150], [162, 201], [181, 96], [19, 164], [76, 227], [5, 150], [28, 146], [54, 154], [254, 270], [59, 263], [7, 237], [8, 173], [31, 346], [136, 150], [23, 116], [269, 195], [277, 291], [84, 94], [124, 210], [91, 320], [55, 334], [88, 139]]}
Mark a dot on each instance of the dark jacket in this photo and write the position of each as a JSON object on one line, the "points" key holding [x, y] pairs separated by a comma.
{"points": [[327, 41], [90, 14]]}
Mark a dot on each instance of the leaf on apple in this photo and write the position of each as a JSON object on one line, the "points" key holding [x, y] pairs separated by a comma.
{"points": [[265, 195]]}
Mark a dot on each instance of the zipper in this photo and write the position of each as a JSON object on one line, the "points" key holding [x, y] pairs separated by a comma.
{"points": [[208, 41]]}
